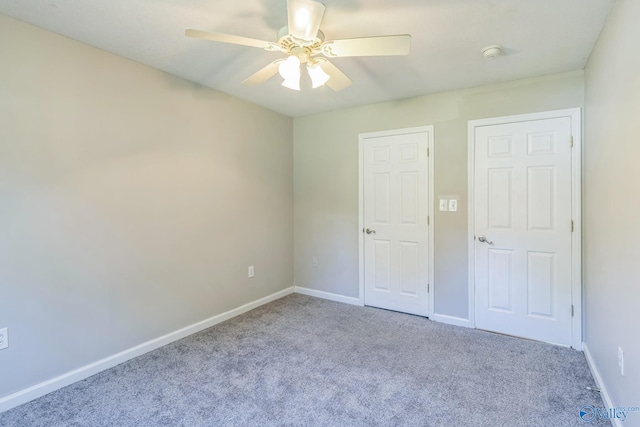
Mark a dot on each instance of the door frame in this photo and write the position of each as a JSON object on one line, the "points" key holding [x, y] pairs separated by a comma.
{"points": [[575, 114], [429, 130]]}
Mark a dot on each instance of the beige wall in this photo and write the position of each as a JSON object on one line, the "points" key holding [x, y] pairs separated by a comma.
{"points": [[612, 204], [326, 178], [131, 203]]}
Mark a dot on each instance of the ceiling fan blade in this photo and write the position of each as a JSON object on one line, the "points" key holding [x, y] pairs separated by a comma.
{"points": [[264, 74], [227, 38], [304, 18], [338, 80], [368, 46]]}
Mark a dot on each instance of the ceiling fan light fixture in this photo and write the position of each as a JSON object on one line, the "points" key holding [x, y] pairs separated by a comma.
{"points": [[292, 83], [290, 68], [290, 72], [304, 19], [318, 76], [302, 41]]}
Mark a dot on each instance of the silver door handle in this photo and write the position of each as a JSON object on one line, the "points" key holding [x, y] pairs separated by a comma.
{"points": [[483, 239], [369, 231]]}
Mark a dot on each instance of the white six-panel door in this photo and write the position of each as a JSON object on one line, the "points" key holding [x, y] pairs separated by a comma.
{"points": [[395, 203], [523, 226]]}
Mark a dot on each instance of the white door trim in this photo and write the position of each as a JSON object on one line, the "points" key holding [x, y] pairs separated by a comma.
{"points": [[576, 209], [361, 140]]}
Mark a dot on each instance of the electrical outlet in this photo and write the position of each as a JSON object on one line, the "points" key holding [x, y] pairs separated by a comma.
{"points": [[315, 262], [621, 360], [251, 271], [443, 205], [4, 338]]}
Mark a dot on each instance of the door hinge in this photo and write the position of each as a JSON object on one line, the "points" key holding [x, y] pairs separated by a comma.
{"points": [[571, 310], [428, 220], [427, 151], [428, 287], [572, 226], [571, 141]]}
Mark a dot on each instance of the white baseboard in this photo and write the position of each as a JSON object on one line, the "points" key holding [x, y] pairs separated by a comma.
{"points": [[327, 295], [443, 318], [45, 387], [608, 403], [451, 320]]}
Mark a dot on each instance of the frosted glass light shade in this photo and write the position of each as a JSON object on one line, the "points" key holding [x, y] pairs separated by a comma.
{"points": [[318, 75], [289, 68], [290, 72], [304, 18], [292, 83]]}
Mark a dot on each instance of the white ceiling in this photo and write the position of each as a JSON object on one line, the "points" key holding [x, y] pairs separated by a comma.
{"points": [[540, 37]]}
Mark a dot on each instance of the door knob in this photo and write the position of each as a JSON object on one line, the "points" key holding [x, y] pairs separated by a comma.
{"points": [[483, 239], [369, 231]]}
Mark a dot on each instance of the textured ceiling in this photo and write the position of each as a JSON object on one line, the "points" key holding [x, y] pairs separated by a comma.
{"points": [[540, 37]]}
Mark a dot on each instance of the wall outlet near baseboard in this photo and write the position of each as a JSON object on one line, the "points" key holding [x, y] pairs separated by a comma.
{"points": [[621, 360], [250, 271], [4, 338]]}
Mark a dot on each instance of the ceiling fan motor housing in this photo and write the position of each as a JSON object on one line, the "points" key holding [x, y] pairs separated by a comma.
{"points": [[301, 48]]}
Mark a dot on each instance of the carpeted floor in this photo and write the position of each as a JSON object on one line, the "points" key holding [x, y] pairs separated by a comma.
{"points": [[303, 361]]}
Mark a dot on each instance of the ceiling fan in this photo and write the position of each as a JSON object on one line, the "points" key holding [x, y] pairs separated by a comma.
{"points": [[303, 43]]}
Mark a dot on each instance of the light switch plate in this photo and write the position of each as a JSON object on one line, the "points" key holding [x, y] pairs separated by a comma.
{"points": [[453, 205], [443, 205]]}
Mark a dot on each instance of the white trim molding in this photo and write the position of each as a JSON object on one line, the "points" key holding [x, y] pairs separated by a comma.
{"points": [[606, 397], [429, 130], [45, 387], [575, 114], [328, 296], [451, 320]]}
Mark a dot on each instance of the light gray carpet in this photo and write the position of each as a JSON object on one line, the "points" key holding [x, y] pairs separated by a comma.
{"points": [[303, 361]]}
